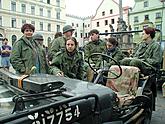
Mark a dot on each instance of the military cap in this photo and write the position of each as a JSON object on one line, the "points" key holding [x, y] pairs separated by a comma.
{"points": [[67, 28], [38, 36]]}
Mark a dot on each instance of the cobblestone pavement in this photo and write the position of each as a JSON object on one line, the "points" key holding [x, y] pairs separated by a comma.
{"points": [[158, 116]]}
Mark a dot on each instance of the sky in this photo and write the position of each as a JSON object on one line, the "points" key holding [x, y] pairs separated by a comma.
{"points": [[84, 8]]}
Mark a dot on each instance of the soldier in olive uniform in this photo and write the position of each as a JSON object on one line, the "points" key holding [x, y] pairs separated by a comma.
{"points": [[148, 54], [59, 43], [68, 62], [27, 53], [113, 51], [96, 45]]}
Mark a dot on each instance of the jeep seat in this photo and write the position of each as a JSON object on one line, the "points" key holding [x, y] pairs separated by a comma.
{"points": [[127, 83]]}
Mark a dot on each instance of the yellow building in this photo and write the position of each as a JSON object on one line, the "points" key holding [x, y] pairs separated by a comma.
{"points": [[48, 17]]}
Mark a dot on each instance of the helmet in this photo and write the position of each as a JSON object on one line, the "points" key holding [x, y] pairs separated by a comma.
{"points": [[38, 36], [67, 28]]}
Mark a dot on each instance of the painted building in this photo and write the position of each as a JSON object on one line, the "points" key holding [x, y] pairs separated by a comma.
{"points": [[107, 16], [48, 17], [82, 26], [148, 13]]}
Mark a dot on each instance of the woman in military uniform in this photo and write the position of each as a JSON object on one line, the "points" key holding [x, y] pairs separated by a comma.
{"points": [[68, 62], [113, 51], [27, 53], [147, 55]]}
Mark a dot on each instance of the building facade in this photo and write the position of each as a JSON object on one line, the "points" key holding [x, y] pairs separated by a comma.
{"points": [[48, 17], [82, 26], [148, 13], [107, 16]]}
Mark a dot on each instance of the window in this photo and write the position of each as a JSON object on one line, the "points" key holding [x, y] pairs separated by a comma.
{"points": [[106, 31], [58, 28], [158, 26], [32, 10], [72, 24], [76, 25], [49, 14], [88, 25], [58, 15], [49, 42], [23, 8], [111, 11], [136, 28], [103, 13], [48, 1], [146, 17], [112, 21], [145, 3], [1, 35], [106, 22], [136, 19], [41, 11], [75, 34], [33, 23], [41, 26], [81, 35], [0, 3], [23, 21], [158, 15], [0, 20], [58, 2], [13, 6], [49, 27], [97, 24], [86, 34], [13, 22]]}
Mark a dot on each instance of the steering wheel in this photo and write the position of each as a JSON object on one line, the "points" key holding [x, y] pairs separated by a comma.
{"points": [[100, 70]]}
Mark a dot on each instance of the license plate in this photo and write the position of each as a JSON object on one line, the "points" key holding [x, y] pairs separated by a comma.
{"points": [[61, 115]]}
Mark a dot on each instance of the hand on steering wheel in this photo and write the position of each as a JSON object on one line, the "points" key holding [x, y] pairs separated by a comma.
{"points": [[100, 57]]}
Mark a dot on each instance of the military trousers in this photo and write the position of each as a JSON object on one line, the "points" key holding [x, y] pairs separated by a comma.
{"points": [[145, 68]]}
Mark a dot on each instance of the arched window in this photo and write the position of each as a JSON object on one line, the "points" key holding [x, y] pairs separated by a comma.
{"points": [[1, 35], [14, 38], [49, 42]]}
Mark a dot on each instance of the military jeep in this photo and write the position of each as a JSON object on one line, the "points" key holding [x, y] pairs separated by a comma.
{"points": [[48, 99]]}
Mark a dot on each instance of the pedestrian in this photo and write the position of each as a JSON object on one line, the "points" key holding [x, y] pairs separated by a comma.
{"points": [[147, 56], [59, 43], [27, 53], [68, 62], [5, 54]]}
